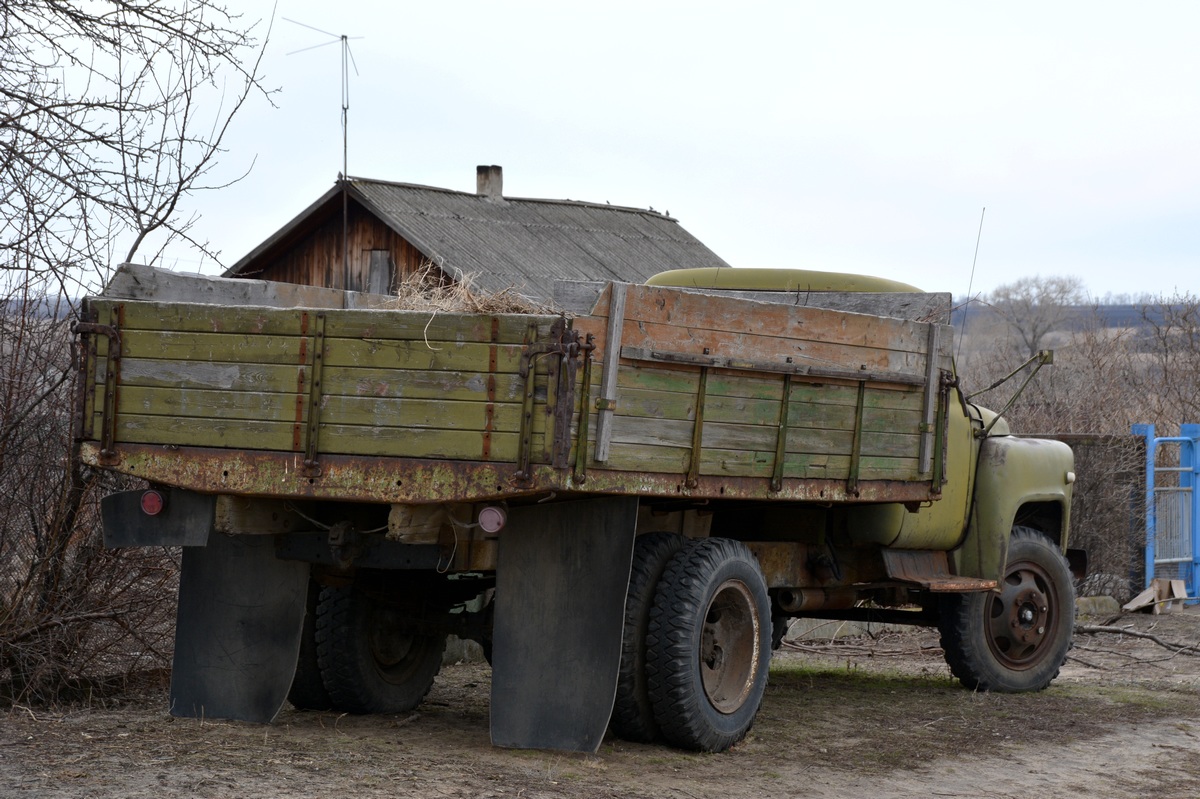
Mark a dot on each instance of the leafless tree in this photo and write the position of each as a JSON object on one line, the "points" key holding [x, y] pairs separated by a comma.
{"points": [[1034, 307], [113, 115]]}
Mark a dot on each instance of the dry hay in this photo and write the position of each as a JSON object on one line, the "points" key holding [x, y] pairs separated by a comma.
{"points": [[430, 289]]}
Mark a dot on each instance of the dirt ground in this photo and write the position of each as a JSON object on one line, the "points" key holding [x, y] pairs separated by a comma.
{"points": [[877, 717]]}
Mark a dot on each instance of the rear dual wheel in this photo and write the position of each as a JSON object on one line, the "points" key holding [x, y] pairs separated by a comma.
{"points": [[708, 645]]}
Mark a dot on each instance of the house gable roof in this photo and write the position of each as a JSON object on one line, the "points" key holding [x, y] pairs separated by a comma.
{"points": [[517, 243]]}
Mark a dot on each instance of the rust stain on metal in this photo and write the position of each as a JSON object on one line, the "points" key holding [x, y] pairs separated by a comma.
{"points": [[382, 479], [930, 569]]}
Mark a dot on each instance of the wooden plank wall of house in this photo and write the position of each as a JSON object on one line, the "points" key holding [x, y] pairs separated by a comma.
{"points": [[378, 255]]}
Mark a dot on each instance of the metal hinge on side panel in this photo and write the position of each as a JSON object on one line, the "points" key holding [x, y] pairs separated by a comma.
{"points": [[564, 343]]}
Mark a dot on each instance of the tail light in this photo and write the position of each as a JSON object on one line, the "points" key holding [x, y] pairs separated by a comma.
{"points": [[153, 502]]}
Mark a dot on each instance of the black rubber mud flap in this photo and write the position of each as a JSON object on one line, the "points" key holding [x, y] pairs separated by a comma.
{"points": [[185, 520], [560, 603], [237, 632]]}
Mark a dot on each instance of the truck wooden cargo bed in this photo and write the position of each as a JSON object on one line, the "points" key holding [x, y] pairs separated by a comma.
{"points": [[656, 392]]}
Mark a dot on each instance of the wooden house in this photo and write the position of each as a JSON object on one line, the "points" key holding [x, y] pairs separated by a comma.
{"points": [[363, 234]]}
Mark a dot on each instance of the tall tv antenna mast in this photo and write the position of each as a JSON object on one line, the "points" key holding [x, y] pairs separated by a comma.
{"points": [[347, 63]]}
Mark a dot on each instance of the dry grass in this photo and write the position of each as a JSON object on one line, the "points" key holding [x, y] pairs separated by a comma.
{"points": [[428, 289]]}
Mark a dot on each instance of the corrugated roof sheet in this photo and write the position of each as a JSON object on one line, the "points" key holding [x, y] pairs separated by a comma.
{"points": [[526, 244]]}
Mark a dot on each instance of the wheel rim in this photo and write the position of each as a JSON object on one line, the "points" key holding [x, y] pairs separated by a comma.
{"points": [[1023, 618], [391, 648], [729, 644]]}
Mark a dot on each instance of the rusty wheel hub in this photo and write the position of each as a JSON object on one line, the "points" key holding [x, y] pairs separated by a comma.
{"points": [[1024, 616], [729, 644]]}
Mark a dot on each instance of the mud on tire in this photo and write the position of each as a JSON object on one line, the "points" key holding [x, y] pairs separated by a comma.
{"points": [[708, 645], [1018, 639]]}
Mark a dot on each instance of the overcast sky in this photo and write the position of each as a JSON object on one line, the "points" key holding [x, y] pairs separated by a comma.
{"points": [[859, 137]]}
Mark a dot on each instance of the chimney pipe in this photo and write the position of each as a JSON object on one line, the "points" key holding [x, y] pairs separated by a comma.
{"points": [[489, 182]]}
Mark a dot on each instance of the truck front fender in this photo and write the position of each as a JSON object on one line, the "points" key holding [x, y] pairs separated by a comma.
{"points": [[1017, 481]]}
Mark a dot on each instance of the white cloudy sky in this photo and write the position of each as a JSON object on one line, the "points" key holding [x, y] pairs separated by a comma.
{"points": [[861, 136]]}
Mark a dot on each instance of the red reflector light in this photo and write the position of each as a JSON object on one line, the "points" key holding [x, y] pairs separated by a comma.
{"points": [[153, 503]]}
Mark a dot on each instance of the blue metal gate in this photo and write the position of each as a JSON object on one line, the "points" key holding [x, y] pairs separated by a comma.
{"points": [[1172, 505]]}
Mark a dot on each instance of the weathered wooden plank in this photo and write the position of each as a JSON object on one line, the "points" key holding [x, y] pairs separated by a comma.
{"points": [[187, 404], [738, 463], [391, 442], [812, 353], [189, 318], [271, 378], [341, 439], [632, 457], [579, 297], [140, 282], [670, 320], [670, 433], [807, 402], [236, 348], [380, 414], [207, 432], [684, 379], [435, 327], [400, 415], [384, 323], [715, 314], [449, 385], [419, 355]]}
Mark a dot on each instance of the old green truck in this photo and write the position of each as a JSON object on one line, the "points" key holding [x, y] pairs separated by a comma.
{"points": [[624, 505]]}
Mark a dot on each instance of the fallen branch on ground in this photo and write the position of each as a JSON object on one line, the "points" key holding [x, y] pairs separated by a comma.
{"points": [[1176, 646]]}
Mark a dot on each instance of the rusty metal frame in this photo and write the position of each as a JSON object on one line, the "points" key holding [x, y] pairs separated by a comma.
{"points": [[312, 465], [585, 401], [112, 379], [693, 472], [856, 446], [781, 438], [933, 388], [387, 480], [786, 366]]}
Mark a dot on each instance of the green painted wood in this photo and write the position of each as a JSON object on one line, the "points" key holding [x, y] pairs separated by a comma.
{"points": [[231, 433], [195, 318], [450, 385], [434, 326], [336, 439], [202, 403], [812, 466], [413, 414], [418, 355], [632, 457], [238, 348], [272, 378], [377, 323], [390, 442]]}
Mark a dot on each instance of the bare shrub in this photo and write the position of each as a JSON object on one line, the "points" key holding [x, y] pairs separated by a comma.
{"points": [[105, 137]]}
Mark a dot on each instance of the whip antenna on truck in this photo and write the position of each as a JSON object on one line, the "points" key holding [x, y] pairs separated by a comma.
{"points": [[970, 284]]}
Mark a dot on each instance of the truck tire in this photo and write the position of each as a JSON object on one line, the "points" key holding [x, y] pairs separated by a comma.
{"points": [[708, 645], [1016, 640], [308, 689], [369, 662], [633, 714]]}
